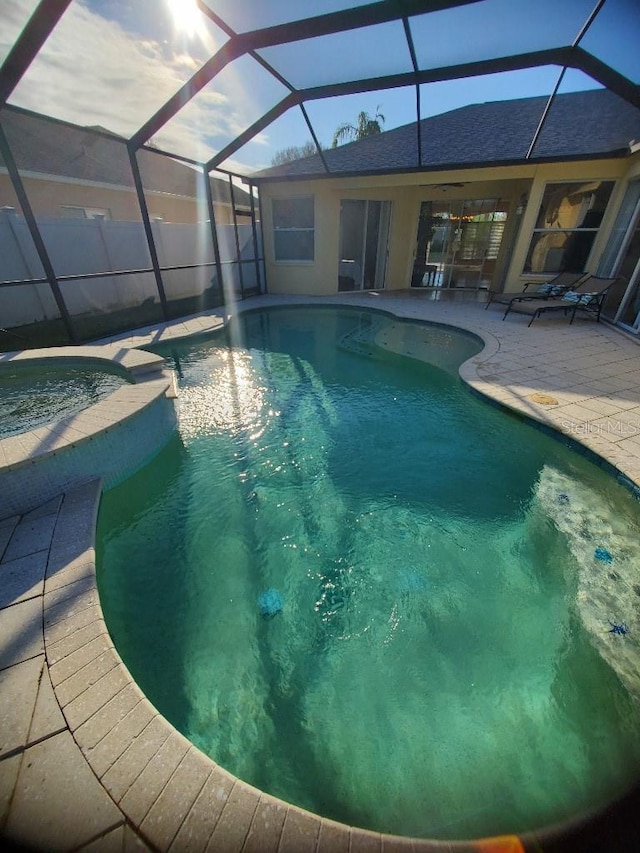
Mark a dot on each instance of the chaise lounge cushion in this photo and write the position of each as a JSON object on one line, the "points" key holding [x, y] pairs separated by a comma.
{"points": [[590, 301], [549, 289], [578, 298]]}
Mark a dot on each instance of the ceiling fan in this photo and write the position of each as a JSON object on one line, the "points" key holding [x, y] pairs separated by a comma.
{"points": [[444, 187]]}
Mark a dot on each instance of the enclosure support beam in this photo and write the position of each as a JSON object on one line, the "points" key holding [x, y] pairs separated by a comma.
{"points": [[264, 266], [558, 56], [37, 30], [254, 233], [36, 236], [604, 74], [565, 57], [274, 113], [545, 113], [315, 138], [340, 21], [416, 70], [227, 53], [238, 45], [214, 232], [235, 231], [146, 221]]}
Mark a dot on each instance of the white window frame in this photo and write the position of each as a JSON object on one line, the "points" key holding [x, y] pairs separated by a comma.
{"points": [[101, 213], [293, 229]]}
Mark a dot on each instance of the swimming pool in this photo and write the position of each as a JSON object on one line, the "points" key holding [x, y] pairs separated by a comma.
{"points": [[443, 664], [33, 395]]}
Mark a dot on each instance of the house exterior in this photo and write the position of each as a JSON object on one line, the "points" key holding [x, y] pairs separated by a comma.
{"points": [[465, 200], [74, 172]]}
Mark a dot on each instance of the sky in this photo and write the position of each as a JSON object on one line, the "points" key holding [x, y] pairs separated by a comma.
{"points": [[113, 63]]}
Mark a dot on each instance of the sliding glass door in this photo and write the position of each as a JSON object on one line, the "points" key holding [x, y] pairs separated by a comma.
{"points": [[621, 258], [364, 238], [458, 242]]}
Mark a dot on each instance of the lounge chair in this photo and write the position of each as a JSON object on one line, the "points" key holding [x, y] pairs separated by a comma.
{"points": [[588, 296], [534, 290]]}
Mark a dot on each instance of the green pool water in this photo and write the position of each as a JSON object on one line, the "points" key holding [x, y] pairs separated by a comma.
{"points": [[442, 665], [36, 395]]}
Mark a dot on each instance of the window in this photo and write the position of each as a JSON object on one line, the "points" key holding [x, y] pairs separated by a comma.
{"points": [[70, 211], [568, 221], [293, 229]]}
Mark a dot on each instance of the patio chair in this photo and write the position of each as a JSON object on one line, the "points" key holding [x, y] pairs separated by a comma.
{"points": [[534, 290], [588, 296]]}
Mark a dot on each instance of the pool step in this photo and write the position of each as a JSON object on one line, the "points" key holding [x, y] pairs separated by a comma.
{"points": [[361, 341]]}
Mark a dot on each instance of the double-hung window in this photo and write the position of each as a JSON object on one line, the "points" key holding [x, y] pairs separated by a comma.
{"points": [[568, 221], [293, 229]]}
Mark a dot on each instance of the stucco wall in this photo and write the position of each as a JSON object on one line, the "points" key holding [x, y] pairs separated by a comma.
{"points": [[315, 277], [48, 195], [406, 192]]}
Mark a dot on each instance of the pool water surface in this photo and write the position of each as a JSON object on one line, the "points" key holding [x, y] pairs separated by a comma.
{"points": [[360, 588], [32, 396]]}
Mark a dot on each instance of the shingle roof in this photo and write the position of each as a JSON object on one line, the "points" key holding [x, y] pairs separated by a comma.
{"points": [[580, 124], [54, 148]]}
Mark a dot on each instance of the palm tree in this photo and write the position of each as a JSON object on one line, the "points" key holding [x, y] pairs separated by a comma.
{"points": [[366, 126]]}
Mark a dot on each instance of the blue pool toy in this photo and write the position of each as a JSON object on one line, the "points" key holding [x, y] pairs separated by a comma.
{"points": [[620, 629], [603, 555], [270, 603]]}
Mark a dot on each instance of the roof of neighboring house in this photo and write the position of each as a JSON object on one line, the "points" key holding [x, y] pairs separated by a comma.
{"points": [[55, 148], [578, 125]]}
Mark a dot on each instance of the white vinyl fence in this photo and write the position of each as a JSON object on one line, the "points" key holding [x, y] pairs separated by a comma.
{"points": [[86, 246]]}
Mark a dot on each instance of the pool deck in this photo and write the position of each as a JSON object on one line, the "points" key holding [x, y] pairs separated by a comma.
{"points": [[87, 763]]}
